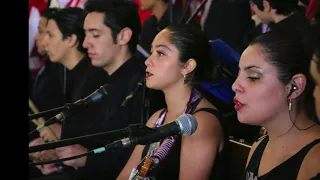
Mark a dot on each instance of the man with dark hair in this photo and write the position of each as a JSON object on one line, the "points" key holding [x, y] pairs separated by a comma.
{"points": [[45, 92], [281, 15], [285, 16], [62, 41], [112, 29], [273, 7]]}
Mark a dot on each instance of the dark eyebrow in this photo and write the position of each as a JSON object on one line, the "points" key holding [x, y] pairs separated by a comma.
{"points": [[93, 30], [250, 67], [159, 45]]}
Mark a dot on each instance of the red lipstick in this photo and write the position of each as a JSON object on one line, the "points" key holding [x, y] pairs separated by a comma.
{"points": [[237, 104]]}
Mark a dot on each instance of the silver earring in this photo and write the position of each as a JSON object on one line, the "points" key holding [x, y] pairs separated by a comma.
{"points": [[290, 104]]}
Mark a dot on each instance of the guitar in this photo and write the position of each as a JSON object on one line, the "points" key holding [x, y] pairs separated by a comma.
{"points": [[141, 172], [144, 169]]}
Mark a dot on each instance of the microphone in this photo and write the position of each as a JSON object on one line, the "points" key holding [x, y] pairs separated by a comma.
{"points": [[70, 108], [185, 125], [96, 96], [136, 89]]}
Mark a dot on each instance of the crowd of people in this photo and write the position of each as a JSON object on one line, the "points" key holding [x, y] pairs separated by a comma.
{"points": [[277, 89]]}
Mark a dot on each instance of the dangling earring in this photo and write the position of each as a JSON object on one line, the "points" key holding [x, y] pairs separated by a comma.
{"points": [[184, 79], [290, 104]]}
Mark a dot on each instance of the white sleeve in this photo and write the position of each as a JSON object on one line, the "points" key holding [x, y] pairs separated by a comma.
{"points": [[33, 27]]}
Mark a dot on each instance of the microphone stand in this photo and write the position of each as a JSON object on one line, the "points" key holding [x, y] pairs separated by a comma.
{"points": [[133, 130], [44, 113], [113, 145], [68, 109], [145, 105], [185, 11], [94, 97], [197, 11]]}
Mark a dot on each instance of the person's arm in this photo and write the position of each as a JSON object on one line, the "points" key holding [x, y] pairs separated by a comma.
{"points": [[45, 155], [199, 150], [135, 157]]}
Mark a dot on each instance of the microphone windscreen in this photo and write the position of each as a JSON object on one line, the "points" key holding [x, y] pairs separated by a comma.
{"points": [[187, 123]]}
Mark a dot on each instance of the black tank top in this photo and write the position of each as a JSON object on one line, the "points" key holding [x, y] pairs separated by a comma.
{"points": [[287, 170], [170, 166]]}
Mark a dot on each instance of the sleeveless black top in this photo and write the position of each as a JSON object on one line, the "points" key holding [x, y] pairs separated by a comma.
{"points": [[169, 167], [287, 170]]}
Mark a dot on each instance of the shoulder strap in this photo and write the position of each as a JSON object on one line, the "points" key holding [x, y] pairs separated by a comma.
{"points": [[209, 110], [255, 159], [312, 144], [317, 177], [160, 119], [219, 117], [163, 110], [304, 151], [294, 162], [147, 146]]}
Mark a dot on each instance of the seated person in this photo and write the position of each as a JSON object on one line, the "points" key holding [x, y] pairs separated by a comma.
{"points": [[176, 64], [273, 90], [111, 29]]}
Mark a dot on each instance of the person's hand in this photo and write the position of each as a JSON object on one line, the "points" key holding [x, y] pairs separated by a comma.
{"points": [[40, 156], [36, 155], [73, 150], [47, 168], [51, 133], [56, 128], [45, 155]]}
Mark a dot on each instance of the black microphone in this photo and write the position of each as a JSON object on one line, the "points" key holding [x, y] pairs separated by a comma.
{"points": [[134, 92], [185, 125], [71, 108], [132, 130], [96, 96]]}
